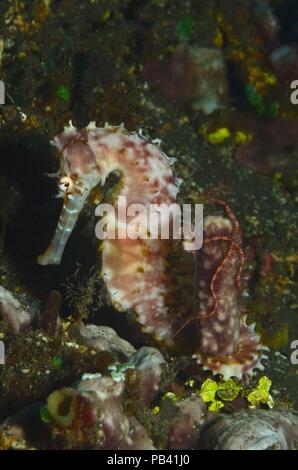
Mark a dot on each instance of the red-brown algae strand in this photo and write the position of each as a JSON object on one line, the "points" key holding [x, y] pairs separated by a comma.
{"points": [[134, 271], [219, 306], [227, 345]]}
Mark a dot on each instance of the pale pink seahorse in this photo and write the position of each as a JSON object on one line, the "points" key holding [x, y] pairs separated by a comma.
{"points": [[134, 271], [228, 346]]}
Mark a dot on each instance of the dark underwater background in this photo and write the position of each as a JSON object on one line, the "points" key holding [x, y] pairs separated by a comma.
{"points": [[212, 79]]}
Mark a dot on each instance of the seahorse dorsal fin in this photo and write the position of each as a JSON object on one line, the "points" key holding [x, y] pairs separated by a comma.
{"points": [[91, 125]]}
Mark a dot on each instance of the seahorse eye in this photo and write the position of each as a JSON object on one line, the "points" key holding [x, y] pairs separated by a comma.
{"points": [[66, 184]]}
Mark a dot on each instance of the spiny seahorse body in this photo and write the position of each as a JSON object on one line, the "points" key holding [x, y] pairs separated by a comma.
{"points": [[134, 271]]}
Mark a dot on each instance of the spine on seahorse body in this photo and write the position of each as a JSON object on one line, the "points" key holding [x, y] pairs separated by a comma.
{"points": [[134, 270]]}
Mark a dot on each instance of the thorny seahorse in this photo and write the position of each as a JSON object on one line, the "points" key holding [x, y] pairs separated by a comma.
{"points": [[134, 270]]}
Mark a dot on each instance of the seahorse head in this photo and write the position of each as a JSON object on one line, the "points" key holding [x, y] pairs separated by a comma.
{"points": [[79, 170], [78, 174]]}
